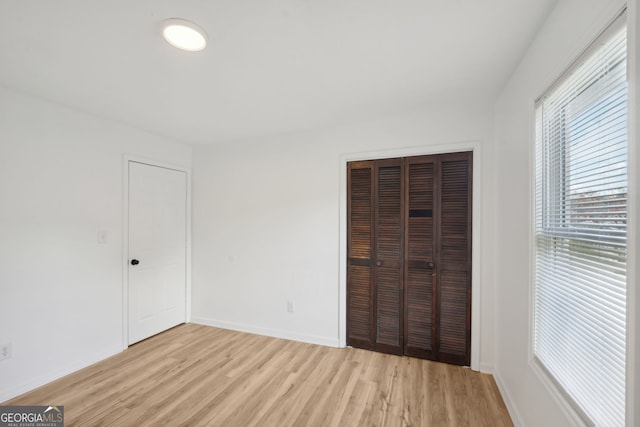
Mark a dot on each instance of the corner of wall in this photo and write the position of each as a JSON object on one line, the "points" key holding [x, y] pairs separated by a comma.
{"points": [[16, 390], [269, 332], [508, 400]]}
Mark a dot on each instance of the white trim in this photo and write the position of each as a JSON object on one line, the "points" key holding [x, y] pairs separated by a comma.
{"points": [[615, 10], [567, 408], [125, 239], [476, 238], [532, 230], [512, 408], [276, 333], [633, 216]]}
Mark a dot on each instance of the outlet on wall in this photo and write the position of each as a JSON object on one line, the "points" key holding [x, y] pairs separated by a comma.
{"points": [[5, 351], [290, 307]]}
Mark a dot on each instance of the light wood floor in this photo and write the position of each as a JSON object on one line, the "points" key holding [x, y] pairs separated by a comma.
{"points": [[196, 375]]}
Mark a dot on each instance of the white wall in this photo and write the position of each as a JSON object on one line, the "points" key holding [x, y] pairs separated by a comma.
{"points": [[61, 181], [266, 223], [568, 30]]}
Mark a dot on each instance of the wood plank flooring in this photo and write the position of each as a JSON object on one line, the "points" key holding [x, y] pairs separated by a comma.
{"points": [[195, 375]]}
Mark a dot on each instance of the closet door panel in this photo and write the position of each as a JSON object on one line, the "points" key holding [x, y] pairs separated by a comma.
{"points": [[419, 314], [454, 267], [360, 228], [389, 255]]}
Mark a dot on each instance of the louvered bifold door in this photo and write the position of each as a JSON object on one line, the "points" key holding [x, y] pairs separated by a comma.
{"points": [[389, 255], [360, 235], [409, 256], [419, 316], [453, 261]]}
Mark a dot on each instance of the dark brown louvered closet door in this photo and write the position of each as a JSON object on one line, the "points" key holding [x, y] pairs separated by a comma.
{"points": [[360, 302], [375, 255], [389, 255], [420, 320], [409, 256], [454, 260]]}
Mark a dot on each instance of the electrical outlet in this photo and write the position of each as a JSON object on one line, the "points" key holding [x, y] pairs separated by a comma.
{"points": [[5, 351], [290, 307]]}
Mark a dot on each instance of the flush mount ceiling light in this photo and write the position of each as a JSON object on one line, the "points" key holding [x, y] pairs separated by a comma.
{"points": [[184, 35]]}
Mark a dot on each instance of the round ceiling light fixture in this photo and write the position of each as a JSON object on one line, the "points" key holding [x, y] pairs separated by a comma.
{"points": [[184, 35]]}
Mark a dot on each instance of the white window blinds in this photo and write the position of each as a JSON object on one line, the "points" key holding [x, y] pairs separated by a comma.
{"points": [[581, 232]]}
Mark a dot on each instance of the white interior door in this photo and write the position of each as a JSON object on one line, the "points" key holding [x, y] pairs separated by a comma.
{"points": [[157, 249]]}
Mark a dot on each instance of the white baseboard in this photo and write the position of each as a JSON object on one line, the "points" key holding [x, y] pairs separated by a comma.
{"points": [[276, 333], [33, 383], [508, 401]]}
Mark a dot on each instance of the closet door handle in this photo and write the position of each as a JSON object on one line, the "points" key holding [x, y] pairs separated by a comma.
{"points": [[379, 263], [431, 265]]}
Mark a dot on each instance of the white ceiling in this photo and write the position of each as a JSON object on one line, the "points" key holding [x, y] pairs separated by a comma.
{"points": [[271, 65]]}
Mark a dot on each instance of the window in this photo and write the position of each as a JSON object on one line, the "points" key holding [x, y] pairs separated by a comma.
{"points": [[581, 231]]}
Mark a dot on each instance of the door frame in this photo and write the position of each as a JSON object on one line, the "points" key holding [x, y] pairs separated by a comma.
{"points": [[125, 238], [476, 229]]}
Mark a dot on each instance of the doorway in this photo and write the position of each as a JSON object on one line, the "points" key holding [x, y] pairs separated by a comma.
{"points": [[409, 256], [156, 271]]}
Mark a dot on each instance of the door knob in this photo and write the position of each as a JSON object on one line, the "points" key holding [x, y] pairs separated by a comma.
{"points": [[135, 262], [379, 263], [430, 264]]}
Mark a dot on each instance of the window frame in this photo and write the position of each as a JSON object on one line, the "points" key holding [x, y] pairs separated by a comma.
{"points": [[571, 408]]}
